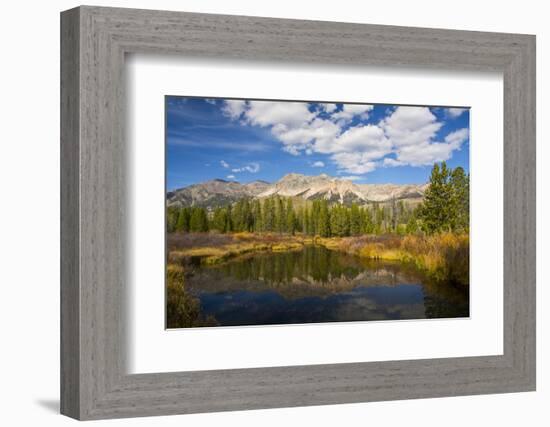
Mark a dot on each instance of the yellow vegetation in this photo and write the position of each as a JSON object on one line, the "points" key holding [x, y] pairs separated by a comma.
{"points": [[240, 244], [443, 256]]}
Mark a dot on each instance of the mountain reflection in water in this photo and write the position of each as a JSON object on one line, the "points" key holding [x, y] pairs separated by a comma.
{"points": [[316, 284]]}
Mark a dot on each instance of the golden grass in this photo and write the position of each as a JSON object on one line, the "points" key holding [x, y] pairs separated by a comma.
{"points": [[445, 257], [239, 244], [182, 309]]}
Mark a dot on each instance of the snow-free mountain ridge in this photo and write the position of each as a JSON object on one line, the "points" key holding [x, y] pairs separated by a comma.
{"points": [[219, 192]]}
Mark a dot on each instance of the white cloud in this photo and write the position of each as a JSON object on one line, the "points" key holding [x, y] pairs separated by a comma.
{"points": [[292, 149], [409, 135], [319, 131], [230, 176], [252, 168], [412, 131], [351, 110], [454, 112], [358, 163], [328, 107], [428, 153], [411, 126], [224, 164], [457, 137], [389, 161], [365, 139], [318, 164], [234, 108], [425, 153], [278, 114], [210, 101]]}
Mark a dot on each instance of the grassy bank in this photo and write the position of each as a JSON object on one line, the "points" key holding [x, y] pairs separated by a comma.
{"points": [[215, 248], [444, 257], [182, 309]]}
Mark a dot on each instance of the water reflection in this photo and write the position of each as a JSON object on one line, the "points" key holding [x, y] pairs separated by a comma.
{"points": [[319, 285]]}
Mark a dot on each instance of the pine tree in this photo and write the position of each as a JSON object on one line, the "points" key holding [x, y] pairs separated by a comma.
{"points": [[199, 220], [299, 220], [269, 214], [402, 213], [257, 216], [460, 184], [229, 219], [314, 217], [307, 221], [182, 223], [355, 220], [393, 215], [280, 215], [237, 216], [248, 221], [219, 220], [172, 214], [378, 214], [412, 225], [324, 219], [367, 225], [339, 221], [290, 217], [438, 210]]}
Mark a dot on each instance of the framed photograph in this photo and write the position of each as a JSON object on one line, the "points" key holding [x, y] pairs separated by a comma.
{"points": [[262, 213], [285, 214]]}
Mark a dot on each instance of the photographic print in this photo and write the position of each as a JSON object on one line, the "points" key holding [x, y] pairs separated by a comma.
{"points": [[293, 212]]}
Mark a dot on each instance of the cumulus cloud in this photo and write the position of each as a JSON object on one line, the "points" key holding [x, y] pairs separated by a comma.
{"points": [[358, 163], [457, 137], [230, 176], [318, 132], [252, 168], [224, 164], [411, 126], [328, 107], [365, 139], [318, 164], [424, 154], [427, 152], [405, 136], [281, 115], [234, 108], [351, 110], [454, 112], [390, 161]]}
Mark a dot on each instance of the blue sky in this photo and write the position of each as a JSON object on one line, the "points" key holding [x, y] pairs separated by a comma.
{"points": [[252, 140]]}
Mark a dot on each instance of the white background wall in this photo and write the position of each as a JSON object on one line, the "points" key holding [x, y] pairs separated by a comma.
{"points": [[29, 214]]}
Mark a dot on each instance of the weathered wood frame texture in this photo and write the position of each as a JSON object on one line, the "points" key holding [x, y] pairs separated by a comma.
{"points": [[94, 41]]}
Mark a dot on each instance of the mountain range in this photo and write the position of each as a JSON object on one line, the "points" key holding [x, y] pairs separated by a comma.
{"points": [[219, 192]]}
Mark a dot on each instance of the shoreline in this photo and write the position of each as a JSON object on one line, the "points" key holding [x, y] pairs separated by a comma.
{"points": [[443, 257]]}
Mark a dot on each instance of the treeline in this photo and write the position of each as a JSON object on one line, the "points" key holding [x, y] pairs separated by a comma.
{"points": [[445, 208], [278, 214]]}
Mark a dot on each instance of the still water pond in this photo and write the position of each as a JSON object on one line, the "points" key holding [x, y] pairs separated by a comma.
{"points": [[319, 285]]}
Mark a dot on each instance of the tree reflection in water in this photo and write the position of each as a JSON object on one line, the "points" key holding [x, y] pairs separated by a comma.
{"points": [[319, 285]]}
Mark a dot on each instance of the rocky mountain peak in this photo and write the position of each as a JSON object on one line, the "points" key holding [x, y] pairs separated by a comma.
{"points": [[219, 192]]}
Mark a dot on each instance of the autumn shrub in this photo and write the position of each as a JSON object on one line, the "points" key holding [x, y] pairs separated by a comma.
{"points": [[182, 309], [445, 256]]}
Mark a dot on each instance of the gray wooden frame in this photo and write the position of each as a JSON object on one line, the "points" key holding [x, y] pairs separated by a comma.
{"points": [[94, 41]]}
